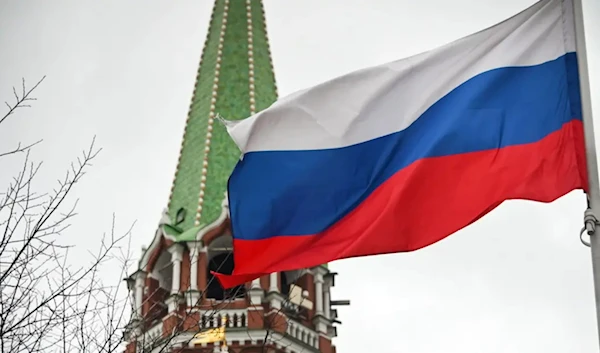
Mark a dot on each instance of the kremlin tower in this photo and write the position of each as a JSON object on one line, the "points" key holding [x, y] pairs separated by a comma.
{"points": [[177, 304]]}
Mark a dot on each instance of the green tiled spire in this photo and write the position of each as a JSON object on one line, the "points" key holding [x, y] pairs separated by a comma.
{"points": [[235, 80]]}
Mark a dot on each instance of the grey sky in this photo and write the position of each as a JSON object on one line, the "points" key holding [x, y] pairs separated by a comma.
{"points": [[516, 281]]}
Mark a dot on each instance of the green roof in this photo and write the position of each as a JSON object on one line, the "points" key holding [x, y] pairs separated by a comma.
{"points": [[235, 79]]}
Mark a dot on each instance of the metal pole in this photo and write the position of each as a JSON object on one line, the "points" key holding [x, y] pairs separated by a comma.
{"points": [[590, 147]]}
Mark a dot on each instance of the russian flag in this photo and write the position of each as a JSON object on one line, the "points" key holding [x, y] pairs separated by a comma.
{"points": [[396, 157]]}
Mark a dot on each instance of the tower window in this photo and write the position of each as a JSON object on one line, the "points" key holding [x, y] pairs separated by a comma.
{"points": [[222, 263]]}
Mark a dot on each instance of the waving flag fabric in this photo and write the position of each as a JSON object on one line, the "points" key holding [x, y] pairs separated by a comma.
{"points": [[396, 157]]}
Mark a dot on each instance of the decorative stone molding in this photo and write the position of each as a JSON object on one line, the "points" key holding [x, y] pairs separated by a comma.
{"points": [[173, 302], [194, 254], [211, 114], [176, 251], [218, 223], [139, 278], [154, 245], [256, 293]]}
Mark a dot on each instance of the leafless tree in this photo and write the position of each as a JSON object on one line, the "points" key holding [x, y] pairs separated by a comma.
{"points": [[48, 304]]}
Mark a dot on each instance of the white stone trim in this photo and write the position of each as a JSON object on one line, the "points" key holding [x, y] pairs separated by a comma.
{"points": [[318, 279], [218, 222], [176, 251], [327, 301], [215, 314], [256, 293], [291, 343], [192, 298], [140, 283], [273, 282], [303, 334], [145, 259], [194, 256], [164, 218], [250, 58], [189, 116], [319, 269], [211, 114], [173, 303]]}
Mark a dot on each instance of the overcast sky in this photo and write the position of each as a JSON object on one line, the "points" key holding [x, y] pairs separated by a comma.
{"points": [[518, 280]]}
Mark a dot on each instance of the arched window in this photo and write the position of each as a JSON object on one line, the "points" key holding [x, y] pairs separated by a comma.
{"points": [[222, 263]]}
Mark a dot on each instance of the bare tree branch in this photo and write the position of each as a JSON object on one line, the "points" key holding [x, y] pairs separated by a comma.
{"points": [[21, 100], [47, 304]]}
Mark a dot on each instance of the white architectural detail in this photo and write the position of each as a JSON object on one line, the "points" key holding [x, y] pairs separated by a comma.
{"points": [[140, 278], [274, 296], [193, 295], [302, 333], [211, 115], [319, 320], [194, 253], [256, 293], [327, 300], [145, 260], [173, 302], [218, 222], [176, 257], [253, 336], [250, 58], [164, 218], [319, 293], [273, 287]]}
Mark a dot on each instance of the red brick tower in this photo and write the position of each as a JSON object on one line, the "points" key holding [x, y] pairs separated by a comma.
{"points": [[173, 292]]}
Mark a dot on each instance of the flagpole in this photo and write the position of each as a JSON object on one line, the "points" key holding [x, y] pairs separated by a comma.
{"points": [[592, 214]]}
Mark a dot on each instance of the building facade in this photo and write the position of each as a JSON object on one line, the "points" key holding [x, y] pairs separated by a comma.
{"points": [[173, 292]]}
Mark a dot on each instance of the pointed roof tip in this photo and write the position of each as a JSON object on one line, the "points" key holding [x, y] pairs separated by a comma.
{"points": [[235, 78]]}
